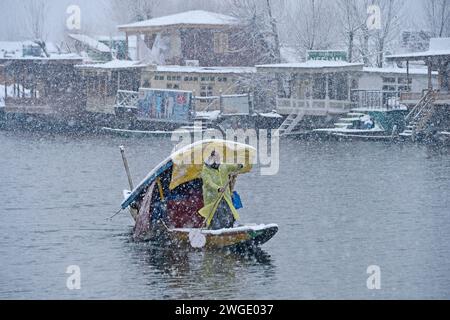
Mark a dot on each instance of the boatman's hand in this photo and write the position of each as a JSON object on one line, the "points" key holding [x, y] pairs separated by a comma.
{"points": [[221, 190]]}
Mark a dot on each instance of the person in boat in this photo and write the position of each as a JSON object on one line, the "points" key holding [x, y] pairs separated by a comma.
{"points": [[218, 209]]}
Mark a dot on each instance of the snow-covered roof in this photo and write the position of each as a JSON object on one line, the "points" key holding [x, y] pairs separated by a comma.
{"points": [[313, 66], [439, 47], [188, 69], [74, 58], [91, 42], [14, 49], [189, 18], [394, 70], [109, 38], [113, 65]]}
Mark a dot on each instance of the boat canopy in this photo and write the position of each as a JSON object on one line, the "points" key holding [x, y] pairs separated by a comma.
{"points": [[187, 164]]}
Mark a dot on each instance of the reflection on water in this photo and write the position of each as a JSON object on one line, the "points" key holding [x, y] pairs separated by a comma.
{"points": [[188, 273]]}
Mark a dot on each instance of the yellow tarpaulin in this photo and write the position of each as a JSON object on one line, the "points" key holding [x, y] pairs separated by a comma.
{"points": [[188, 162]]}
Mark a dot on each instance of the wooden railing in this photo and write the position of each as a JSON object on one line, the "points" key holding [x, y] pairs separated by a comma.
{"points": [[315, 107], [127, 99]]}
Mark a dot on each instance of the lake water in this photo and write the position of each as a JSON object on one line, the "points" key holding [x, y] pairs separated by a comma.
{"points": [[341, 207]]}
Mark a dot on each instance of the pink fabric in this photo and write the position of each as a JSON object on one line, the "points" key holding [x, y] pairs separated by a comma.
{"points": [[142, 227]]}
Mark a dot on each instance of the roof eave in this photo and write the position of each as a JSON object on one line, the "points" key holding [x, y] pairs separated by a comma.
{"points": [[147, 29]]}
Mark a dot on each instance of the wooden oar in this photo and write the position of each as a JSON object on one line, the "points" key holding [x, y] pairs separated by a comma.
{"points": [[196, 238]]}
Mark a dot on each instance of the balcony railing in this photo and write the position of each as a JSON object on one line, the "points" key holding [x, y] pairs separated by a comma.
{"points": [[313, 107], [127, 99], [375, 99]]}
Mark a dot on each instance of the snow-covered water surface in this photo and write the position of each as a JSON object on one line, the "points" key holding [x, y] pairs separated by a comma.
{"points": [[341, 207]]}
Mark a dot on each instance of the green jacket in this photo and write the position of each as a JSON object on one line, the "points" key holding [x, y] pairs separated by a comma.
{"points": [[213, 180]]}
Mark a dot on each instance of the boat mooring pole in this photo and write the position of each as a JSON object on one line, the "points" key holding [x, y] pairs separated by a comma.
{"points": [[127, 168]]}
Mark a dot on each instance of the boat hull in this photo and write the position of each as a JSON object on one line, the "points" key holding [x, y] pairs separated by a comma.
{"points": [[245, 237]]}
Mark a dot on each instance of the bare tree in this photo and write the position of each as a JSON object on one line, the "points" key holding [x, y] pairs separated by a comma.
{"points": [[391, 20], [126, 11], [312, 24], [37, 12], [438, 17], [260, 26], [353, 18]]}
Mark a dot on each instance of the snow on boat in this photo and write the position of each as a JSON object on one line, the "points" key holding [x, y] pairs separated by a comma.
{"points": [[153, 133], [366, 125], [166, 203]]}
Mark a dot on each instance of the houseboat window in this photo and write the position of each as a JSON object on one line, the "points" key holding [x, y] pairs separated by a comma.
{"points": [[195, 78], [173, 86], [160, 78], [206, 91], [186, 79], [404, 81], [389, 80], [389, 88], [222, 79], [319, 88]]}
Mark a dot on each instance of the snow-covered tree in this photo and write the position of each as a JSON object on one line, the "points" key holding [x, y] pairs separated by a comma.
{"points": [[438, 17], [260, 26]]}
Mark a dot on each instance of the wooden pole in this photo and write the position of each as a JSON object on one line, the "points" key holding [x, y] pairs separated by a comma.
{"points": [[430, 82], [407, 76], [126, 46], [127, 168]]}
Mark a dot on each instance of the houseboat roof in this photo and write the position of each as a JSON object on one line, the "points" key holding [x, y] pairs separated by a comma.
{"points": [[14, 49], [203, 70], [191, 19], [394, 70], [439, 48], [54, 58], [112, 65], [91, 42], [312, 66]]}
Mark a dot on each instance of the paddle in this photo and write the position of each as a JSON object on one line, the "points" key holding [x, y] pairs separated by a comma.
{"points": [[196, 237]]}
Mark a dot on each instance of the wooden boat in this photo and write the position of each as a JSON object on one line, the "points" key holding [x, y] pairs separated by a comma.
{"points": [[165, 205], [152, 133], [386, 124]]}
